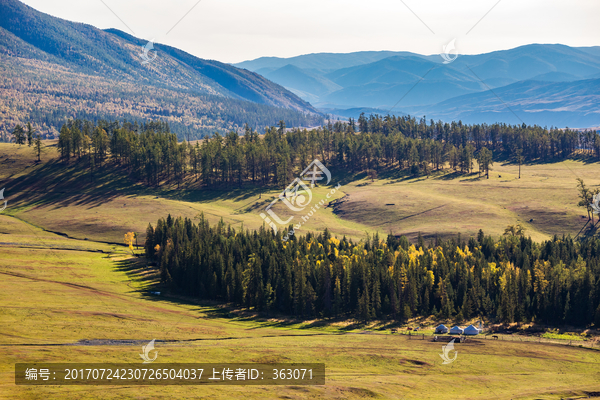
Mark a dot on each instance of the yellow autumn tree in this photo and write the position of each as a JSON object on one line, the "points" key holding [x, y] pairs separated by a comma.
{"points": [[129, 239]]}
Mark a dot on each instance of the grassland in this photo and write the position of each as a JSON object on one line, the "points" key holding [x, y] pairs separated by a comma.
{"points": [[83, 298], [63, 305], [544, 201], [66, 200]]}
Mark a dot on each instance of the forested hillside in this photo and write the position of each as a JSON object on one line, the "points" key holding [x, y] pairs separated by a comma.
{"points": [[53, 70], [511, 279], [48, 96]]}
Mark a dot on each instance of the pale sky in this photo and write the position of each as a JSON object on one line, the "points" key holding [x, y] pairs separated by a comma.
{"points": [[237, 30]]}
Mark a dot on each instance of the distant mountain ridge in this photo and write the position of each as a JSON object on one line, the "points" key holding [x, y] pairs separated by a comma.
{"points": [[560, 104], [421, 84], [324, 62], [36, 44]]}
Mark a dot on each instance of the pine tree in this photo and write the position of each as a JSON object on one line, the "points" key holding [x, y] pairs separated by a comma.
{"points": [[76, 141], [38, 147], [585, 196], [484, 159], [19, 134], [519, 154], [337, 298], [64, 143], [364, 311], [567, 312], [149, 243], [30, 132], [376, 298]]}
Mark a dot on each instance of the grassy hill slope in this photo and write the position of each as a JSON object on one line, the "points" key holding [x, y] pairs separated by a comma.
{"points": [[63, 199], [83, 298]]}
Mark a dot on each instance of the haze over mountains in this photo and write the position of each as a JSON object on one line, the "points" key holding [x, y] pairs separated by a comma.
{"points": [[52, 68], [544, 84]]}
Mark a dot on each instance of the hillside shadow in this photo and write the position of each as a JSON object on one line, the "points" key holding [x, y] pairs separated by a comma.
{"points": [[351, 327], [149, 277], [584, 158], [204, 195], [54, 183], [473, 177]]}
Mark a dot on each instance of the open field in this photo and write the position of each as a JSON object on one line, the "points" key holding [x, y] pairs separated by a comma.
{"points": [[54, 300], [65, 200], [544, 201]]}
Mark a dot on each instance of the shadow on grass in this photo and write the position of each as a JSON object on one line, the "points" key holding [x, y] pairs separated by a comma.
{"points": [[473, 177], [139, 271], [581, 157], [57, 184], [352, 326], [451, 175], [60, 185]]}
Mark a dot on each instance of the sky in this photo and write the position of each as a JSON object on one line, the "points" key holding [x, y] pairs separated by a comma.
{"points": [[238, 30]]}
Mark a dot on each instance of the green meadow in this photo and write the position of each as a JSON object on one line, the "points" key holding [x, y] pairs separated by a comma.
{"points": [[71, 292]]}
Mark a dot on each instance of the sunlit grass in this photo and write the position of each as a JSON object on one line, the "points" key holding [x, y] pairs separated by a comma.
{"points": [[52, 299]]}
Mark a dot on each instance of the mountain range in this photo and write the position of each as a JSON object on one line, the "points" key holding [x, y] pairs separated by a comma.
{"points": [[544, 84], [53, 68]]}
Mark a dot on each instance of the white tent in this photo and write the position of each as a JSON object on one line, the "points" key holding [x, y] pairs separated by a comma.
{"points": [[471, 330], [441, 329], [456, 330]]}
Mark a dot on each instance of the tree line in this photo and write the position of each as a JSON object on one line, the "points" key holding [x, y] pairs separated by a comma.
{"points": [[151, 153], [533, 142], [318, 275]]}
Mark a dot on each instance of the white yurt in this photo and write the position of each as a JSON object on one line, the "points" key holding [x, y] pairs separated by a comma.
{"points": [[456, 330], [471, 330], [441, 329]]}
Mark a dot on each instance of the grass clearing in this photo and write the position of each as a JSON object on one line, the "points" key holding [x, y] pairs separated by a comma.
{"points": [[563, 336], [544, 201]]}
